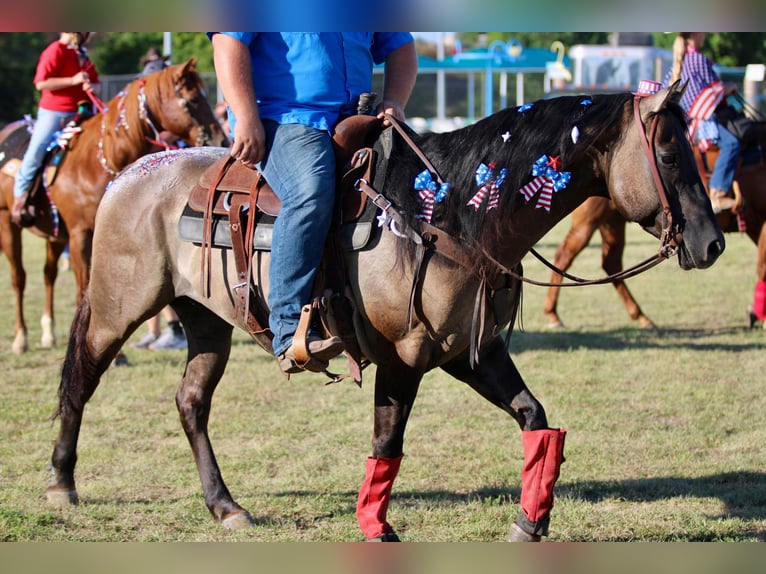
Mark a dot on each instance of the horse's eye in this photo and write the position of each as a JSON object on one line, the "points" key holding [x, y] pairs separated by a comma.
{"points": [[669, 159]]}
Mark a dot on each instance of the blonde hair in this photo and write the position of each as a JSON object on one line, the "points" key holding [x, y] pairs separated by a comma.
{"points": [[679, 52]]}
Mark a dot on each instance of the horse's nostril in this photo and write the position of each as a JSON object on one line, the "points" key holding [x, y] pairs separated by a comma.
{"points": [[716, 249]]}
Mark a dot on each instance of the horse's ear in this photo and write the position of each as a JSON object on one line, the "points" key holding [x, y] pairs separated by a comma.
{"points": [[189, 66], [187, 69], [654, 103]]}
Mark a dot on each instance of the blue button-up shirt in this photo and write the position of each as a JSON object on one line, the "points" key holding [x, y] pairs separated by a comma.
{"points": [[314, 78]]}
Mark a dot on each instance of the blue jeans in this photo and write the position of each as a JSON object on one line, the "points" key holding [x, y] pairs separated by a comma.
{"points": [[47, 123], [726, 164], [300, 167]]}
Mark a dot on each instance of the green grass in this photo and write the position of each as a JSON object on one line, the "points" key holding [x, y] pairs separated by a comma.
{"points": [[666, 427]]}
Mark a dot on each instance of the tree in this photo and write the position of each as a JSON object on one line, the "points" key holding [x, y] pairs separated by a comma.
{"points": [[18, 60]]}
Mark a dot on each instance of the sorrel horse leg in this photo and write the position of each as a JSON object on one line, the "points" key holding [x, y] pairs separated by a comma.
{"points": [[496, 378], [570, 248], [396, 386], [612, 232], [51, 271], [209, 339], [585, 221], [80, 249], [10, 237]]}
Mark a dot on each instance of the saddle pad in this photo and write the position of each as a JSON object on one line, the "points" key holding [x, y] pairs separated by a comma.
{"points": [[14, 139], [354, 236]]}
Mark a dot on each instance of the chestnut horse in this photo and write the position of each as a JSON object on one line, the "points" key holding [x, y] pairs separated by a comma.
{"points": [[600, 213], [171, 100], [434, 287]]}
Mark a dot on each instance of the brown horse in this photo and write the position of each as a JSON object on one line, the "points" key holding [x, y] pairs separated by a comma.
{"points": [[426, 294], [171, 100], [600, 213]]}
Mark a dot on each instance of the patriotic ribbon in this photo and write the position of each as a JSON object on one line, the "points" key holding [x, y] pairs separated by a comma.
{"points": [[548, 179], [430, 192], [489, 184]]}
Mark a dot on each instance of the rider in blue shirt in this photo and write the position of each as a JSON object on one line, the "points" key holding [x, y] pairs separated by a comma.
{"points": [[286, 92]]}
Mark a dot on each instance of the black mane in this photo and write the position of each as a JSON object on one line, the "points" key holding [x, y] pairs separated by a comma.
{"points": [[543, 128]]}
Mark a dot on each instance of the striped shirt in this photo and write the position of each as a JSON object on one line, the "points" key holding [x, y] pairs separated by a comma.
{"points": [[704, 92]]}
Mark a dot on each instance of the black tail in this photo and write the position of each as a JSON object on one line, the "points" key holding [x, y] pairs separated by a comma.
{"points": [[78, 364]]}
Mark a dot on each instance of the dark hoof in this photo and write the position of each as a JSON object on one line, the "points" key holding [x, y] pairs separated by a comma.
{"points": [[121, 360], [386, 537], [518, 535], [751, 317]]}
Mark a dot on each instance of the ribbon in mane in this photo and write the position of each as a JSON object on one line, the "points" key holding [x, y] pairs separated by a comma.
{"points": [[488, 184], [430, 192], [548, 179]]}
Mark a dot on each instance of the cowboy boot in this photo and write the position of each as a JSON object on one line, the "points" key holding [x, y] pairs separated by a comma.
{"points": [[721, 201], [543, 455], [374, 496]]}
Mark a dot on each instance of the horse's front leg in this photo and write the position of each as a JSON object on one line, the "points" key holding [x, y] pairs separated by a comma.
{"points": [[496, 378], [757, 312], [54, 249], [209, 339], [396, 386], [10, 238], [80, 251]]}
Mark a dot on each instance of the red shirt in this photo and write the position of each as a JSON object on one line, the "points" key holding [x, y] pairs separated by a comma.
{"points": [[61, 61]]}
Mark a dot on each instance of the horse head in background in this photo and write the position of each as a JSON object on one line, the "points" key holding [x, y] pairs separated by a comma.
{"points": [[171, 100], [433, 287]]}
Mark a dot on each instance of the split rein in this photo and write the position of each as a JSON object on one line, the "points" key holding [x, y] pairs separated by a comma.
{"points": [[670, 238]]}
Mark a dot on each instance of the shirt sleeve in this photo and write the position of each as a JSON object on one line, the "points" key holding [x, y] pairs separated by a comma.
{"points": [[384, 43], [244, 37]]}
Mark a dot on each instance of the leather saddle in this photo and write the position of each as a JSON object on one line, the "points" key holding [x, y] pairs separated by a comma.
{"points": [[228, 190]]}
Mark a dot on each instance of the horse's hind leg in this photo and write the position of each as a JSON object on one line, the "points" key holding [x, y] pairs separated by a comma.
{"points": [[612, 247], [496, 378], [209, 339], [54, 249], [577, 239], [80, 375]]}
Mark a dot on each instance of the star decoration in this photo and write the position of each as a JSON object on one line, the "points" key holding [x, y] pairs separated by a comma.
{"points": [[506, 136], [554, 162]]}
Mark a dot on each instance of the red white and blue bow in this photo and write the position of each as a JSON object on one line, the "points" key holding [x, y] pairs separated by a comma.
{"points": [[548, 179], [488, 183], [431, 192]]}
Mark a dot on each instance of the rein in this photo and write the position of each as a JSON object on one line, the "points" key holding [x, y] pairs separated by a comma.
{"points": [[670, 238]]}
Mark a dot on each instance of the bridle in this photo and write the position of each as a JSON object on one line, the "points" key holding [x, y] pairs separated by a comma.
{"points": [[670, 237], [428, 237], [143, 114]]}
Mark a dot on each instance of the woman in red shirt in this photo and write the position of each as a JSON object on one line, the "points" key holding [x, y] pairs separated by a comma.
{"points": [[64, 74]]}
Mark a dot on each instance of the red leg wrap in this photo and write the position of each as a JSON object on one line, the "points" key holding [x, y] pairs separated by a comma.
{"points": [[543, 455], [759, 300], [375, 495]]}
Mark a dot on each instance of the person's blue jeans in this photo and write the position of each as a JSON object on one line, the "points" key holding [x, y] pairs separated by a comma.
{"points": [[726, 164], [47, 123], [300, 167]]}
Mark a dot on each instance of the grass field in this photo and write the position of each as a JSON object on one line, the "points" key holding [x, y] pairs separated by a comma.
{"points": [[666, 428]]}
